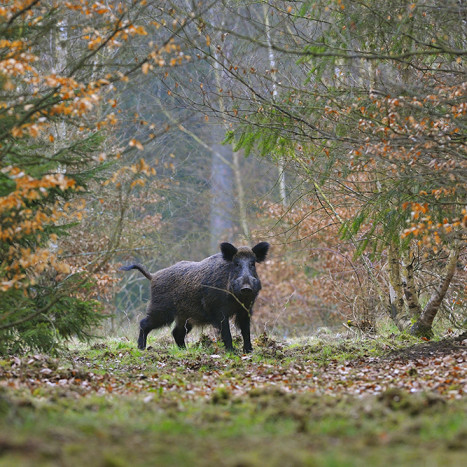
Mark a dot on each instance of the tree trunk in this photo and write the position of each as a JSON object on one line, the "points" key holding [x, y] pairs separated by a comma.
{"points": [[423, 326], [410, 289], [241, 196], [221, 194], [59, 37], [397, 309], [272, 65], [224, 172]]}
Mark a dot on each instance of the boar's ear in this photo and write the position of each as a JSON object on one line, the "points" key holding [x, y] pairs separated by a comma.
{"points": [[228, 251], [261, 250]]}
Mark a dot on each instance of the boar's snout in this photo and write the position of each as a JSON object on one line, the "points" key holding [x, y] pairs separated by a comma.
{"points": [[246, 286]]}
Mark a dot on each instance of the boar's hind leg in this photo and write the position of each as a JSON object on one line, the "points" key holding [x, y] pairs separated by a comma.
{"points": [[180, 331]]}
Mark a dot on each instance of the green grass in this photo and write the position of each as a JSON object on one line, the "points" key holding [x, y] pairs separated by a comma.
{"points": [[262, 428], [168, 406]]}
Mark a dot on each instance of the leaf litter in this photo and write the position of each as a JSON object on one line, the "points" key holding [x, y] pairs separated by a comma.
{"points": [[340, 401], [438, 367]]}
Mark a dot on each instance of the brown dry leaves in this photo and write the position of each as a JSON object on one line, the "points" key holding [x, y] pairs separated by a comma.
{"points": [[439, 368]]}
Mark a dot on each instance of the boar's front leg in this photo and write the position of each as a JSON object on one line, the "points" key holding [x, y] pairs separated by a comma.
{"points": [[224, 328], [243, 322], [146, 325]]}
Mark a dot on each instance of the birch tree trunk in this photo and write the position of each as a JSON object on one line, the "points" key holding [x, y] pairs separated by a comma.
{"points": [[272, 65], [59, 38]]}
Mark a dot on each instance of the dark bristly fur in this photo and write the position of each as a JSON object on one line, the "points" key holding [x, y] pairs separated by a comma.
{"points": [[210, 291]]}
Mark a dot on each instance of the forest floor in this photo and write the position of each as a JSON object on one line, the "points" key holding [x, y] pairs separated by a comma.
{"points": [[329, 402]]}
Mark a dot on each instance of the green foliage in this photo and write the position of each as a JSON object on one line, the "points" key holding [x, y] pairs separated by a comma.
{"points": [[369, 69], [260, 137], [44, 316]]}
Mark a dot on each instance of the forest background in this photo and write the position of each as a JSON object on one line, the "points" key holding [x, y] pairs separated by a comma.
{"points": [[152, 131]]}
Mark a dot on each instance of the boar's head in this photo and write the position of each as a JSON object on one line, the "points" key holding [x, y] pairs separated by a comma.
{"points": [[244, 281]]}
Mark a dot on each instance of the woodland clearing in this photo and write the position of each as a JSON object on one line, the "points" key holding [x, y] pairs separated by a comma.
{"points": [[317, 402]]}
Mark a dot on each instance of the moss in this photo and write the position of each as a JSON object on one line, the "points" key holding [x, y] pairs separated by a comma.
{"points": [[185, 408]]}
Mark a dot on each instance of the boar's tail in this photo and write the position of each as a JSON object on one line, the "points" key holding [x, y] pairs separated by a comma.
{"points": [[139, 268]]}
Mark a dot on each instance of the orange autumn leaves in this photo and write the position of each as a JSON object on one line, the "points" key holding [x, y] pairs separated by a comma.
{"points": [[135, 171], [27, 189], [19, 220], [417, 141], [44, 110], [69, 96]]}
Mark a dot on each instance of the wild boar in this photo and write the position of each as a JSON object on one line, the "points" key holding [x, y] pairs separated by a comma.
{"points": [[210, 291]]}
